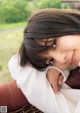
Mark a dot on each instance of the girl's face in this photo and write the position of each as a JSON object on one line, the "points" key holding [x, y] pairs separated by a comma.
{"points": [[65, 52]]}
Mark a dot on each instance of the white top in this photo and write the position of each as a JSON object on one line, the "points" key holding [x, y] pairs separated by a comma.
{"points": [[39, 93]]}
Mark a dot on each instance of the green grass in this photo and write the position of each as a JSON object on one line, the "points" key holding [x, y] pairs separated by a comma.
{"points": [[9, 45], [12, 26]]}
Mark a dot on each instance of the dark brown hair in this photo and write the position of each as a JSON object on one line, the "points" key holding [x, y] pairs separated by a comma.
{"points": [[46, 23]]}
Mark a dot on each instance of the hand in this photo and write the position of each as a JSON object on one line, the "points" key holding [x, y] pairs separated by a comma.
{"points": [[55, 79]]}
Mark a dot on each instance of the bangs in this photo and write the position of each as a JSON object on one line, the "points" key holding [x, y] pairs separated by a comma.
{"points": [[38, 62], [34, 51]]}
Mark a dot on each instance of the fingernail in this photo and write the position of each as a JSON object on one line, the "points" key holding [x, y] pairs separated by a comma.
{"points": [[60, 82], [55, 92]]}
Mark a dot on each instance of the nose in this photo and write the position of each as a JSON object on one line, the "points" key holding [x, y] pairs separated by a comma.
{"points": [[59, 57]]}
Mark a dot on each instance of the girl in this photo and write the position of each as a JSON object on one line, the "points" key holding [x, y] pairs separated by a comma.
{"points": [[52, 37], [45, 27]]}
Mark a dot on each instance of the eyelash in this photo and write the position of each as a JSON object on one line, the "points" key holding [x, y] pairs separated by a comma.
{"points": [[54, 44], [51, 61]]}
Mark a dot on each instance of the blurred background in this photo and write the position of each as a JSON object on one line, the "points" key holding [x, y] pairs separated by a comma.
{"points": [[13, 19]]}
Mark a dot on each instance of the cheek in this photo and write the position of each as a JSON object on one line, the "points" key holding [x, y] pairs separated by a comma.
{"points": [[60, 66], [62, 47], [66, 45]]}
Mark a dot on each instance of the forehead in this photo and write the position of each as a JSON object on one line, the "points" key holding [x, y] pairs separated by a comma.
{"points": [[45, 41]]}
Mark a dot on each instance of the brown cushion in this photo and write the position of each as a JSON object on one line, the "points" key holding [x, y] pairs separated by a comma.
{"points": [[11, 96], [74, 78]]}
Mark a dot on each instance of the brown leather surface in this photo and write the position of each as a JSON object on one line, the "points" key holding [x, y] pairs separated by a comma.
{"points": [[11, 96], [74, 78]]}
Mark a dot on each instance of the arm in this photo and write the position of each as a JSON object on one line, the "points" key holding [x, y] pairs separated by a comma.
{"points": [[8, 95], [73, 79], [31, 83], [56, 77]]}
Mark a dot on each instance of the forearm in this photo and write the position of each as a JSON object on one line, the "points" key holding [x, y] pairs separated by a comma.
{"points": [[11, 96]]}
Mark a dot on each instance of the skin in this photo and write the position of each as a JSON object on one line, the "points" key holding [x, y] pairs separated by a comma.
{"points": [[65, 54], [55, 79]]}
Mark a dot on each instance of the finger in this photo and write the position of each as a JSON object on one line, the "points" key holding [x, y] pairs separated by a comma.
{"points": [[55, 87], [53, 76], [60, 80], [57, 84]]}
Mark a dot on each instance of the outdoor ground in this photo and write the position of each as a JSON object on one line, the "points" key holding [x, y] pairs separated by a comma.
{"points": [[10, 40]]}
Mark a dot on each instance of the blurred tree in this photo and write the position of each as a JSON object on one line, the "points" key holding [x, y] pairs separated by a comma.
{"points": [[74, 4], [47, 4], [13, 11], [19, 10]]}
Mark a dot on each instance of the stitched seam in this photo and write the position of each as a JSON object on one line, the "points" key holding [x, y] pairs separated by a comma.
{"points": [[12, 97]]}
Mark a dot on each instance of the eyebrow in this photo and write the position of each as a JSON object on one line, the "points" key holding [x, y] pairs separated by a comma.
{"points": [[50, 42], [45, 41], [48, 39]]}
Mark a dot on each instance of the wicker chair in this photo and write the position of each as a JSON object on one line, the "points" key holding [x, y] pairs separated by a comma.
{"points": [[27, 109]]}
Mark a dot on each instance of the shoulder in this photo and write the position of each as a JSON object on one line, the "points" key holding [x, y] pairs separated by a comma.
{"points": [[14, 66], [17, 71], [14, 60]]}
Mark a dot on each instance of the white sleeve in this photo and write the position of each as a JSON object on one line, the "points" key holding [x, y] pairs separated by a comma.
{"points": [[65, 73], [14, 67], [37, 89], [34, 86]]}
